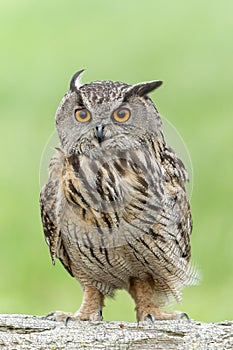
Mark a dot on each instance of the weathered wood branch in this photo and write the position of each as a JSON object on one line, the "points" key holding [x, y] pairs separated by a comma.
{"points": [[32, 332]]}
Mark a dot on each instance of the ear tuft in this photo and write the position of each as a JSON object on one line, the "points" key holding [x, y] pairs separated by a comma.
{"points": [[142, 89], [75, 82]]}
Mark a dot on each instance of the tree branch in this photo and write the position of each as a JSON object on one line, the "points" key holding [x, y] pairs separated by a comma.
{"points": [[33, 332]]}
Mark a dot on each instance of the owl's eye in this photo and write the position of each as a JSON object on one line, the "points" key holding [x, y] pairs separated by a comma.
{"points": [[121, 115], [82, 115]]}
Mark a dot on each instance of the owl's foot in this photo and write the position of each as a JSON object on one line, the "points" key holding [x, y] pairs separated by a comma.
{"points": [[152, 313], [92, 304], [84, 316], [65, 317], [90, 310], [142, 293], [58, 316]]}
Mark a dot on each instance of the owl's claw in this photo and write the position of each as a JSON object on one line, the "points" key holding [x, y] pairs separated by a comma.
{"points": [[66, 317], [99, 316], [49, 315], [150, 318], [183, 315], [58, 316], [153, 313]]}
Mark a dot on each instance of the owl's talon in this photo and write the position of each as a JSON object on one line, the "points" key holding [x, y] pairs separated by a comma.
{"points": [[68, 318], [58, 316], [150, 318], [99, 315], [48, 316], [184, 315]]}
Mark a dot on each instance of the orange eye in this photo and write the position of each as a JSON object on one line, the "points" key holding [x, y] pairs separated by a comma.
{"points": [[82, 115], [121, 115]]}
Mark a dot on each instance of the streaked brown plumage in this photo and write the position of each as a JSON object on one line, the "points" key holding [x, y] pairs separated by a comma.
{"points": [[115, 210]]}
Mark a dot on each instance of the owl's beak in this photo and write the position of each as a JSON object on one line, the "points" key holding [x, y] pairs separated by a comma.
{"points": [[100, 132]]}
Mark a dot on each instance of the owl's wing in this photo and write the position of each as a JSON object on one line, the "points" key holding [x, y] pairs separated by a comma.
{"points": [[48, 208], [178, 175], [174, 166], [177, 226]]}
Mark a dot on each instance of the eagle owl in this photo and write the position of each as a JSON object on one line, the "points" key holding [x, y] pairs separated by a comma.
{"points": [[115, 210]]}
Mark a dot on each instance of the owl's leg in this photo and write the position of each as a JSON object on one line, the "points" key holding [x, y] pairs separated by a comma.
{"points": [[90, 309], [92, 304], [142, 293]]}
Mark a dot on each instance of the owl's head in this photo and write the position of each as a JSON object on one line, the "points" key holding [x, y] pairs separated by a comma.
{"points": [[104, 116]]}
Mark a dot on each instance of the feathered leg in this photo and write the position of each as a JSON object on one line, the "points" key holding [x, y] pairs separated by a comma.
{"points": [[90, 309], [142, 293]]}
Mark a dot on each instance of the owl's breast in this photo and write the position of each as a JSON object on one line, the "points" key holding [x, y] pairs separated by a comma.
{"points": [[106, 198], [113, 181]]}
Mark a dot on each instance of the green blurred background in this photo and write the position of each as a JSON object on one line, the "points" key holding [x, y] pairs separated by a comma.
{"points": [[187, 44]]}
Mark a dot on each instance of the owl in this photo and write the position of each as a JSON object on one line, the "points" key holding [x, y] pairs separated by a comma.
{"points": [[115, 210]]}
